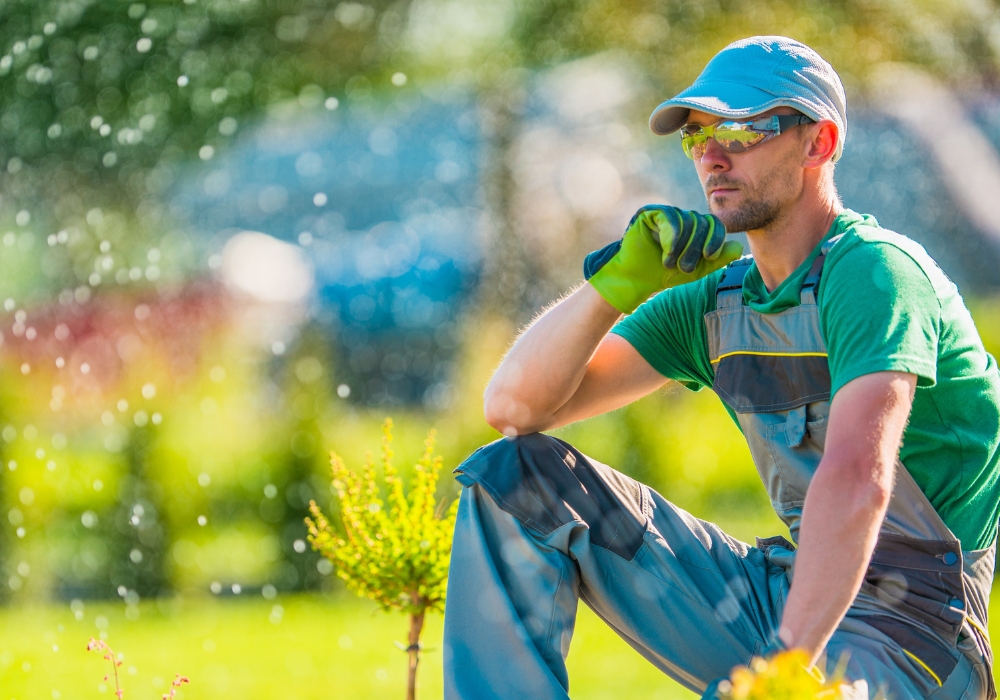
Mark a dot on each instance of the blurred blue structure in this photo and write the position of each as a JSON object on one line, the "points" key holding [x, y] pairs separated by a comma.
{"points": [[385, 203]]}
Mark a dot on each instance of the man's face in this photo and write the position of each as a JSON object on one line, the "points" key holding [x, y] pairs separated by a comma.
{"points": [[748, 190]]}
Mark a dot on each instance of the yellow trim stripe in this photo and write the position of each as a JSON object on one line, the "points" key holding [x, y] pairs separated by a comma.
{"points": [[977, 626], [769, 354], [924, 666]]}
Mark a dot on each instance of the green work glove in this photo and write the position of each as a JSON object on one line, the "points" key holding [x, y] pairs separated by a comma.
{"points": [[662, 247]]}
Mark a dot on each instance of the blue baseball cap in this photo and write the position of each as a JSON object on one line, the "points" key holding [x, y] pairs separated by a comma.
{"points": [[754, 75]]}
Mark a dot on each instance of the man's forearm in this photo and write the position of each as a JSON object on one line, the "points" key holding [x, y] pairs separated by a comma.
{"points": [[845, 505], [547, 363], [840, 525]]}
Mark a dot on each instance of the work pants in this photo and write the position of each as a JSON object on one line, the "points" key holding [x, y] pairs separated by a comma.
{"points": [[541, 526]]}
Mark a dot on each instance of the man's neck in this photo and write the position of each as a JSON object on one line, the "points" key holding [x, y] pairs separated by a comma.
{"points": [[783, 245]]}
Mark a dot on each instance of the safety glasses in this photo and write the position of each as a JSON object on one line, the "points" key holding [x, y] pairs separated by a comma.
{"points": [[736, 137]]}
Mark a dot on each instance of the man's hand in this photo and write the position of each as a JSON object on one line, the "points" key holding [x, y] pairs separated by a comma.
{"points": [[662, 247]]}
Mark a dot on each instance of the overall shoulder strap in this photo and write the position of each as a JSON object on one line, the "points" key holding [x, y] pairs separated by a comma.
{"points": [[730, 289], [811, 284]]}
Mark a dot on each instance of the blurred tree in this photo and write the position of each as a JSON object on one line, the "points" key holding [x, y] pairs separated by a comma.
{"points": [[5, 528], [308, 393], [102, 102], [137, 536]]}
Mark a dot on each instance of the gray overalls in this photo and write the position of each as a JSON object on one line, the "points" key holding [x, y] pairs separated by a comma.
{"points": [[541, 526], [921, 590]]}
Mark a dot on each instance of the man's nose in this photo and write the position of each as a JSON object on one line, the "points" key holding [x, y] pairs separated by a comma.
{"points": [[715, 159]]}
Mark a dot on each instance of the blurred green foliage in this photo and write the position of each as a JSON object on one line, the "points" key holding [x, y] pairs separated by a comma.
{"points": [[102, 104], [97, 94]]}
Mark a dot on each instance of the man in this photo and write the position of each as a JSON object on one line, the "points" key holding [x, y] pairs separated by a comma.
{"points": [[852, 367]]}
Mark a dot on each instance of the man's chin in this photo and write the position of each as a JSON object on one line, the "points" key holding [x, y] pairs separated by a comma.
{"points": [[726, 214]]}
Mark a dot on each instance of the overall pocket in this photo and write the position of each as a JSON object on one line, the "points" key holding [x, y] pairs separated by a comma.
{"points": [[794, 447]]}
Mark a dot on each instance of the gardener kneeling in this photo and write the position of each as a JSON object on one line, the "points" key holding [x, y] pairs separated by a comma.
{"points": [[834, 344]]}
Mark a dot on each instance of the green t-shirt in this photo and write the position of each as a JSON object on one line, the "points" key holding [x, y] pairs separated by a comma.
{"points": [[884, 305]]}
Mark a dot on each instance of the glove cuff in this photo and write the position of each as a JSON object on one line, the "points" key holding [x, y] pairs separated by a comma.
{"points": [[618, 288]]}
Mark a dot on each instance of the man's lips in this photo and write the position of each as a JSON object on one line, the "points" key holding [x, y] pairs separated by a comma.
{"points": [[722, 190]]}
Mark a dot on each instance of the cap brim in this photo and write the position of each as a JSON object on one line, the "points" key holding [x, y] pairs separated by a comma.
{"points": [[740, 101]]}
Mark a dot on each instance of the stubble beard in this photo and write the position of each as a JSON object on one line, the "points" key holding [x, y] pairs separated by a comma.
{"points": [[754, 214]]}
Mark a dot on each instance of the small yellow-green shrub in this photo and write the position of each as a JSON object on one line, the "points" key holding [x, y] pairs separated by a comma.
{"points": [[393, 551]]}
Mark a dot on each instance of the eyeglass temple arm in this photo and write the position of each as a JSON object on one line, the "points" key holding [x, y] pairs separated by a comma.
{"points": [[787, 121]]}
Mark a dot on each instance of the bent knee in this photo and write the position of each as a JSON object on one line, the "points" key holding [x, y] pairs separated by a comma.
{"points": [[545, 483]]}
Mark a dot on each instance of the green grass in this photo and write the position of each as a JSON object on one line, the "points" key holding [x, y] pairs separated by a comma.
{"points": [[329, 648], [321, 648]]}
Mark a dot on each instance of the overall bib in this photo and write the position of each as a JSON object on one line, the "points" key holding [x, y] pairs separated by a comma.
{"points": [[921, 590]]}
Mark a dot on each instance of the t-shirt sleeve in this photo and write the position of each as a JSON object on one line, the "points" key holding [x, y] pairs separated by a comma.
{"points": [[669, 332], [879, 312]]}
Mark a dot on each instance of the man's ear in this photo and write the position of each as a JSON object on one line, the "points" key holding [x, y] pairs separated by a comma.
{"points": [[820, 143]]}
